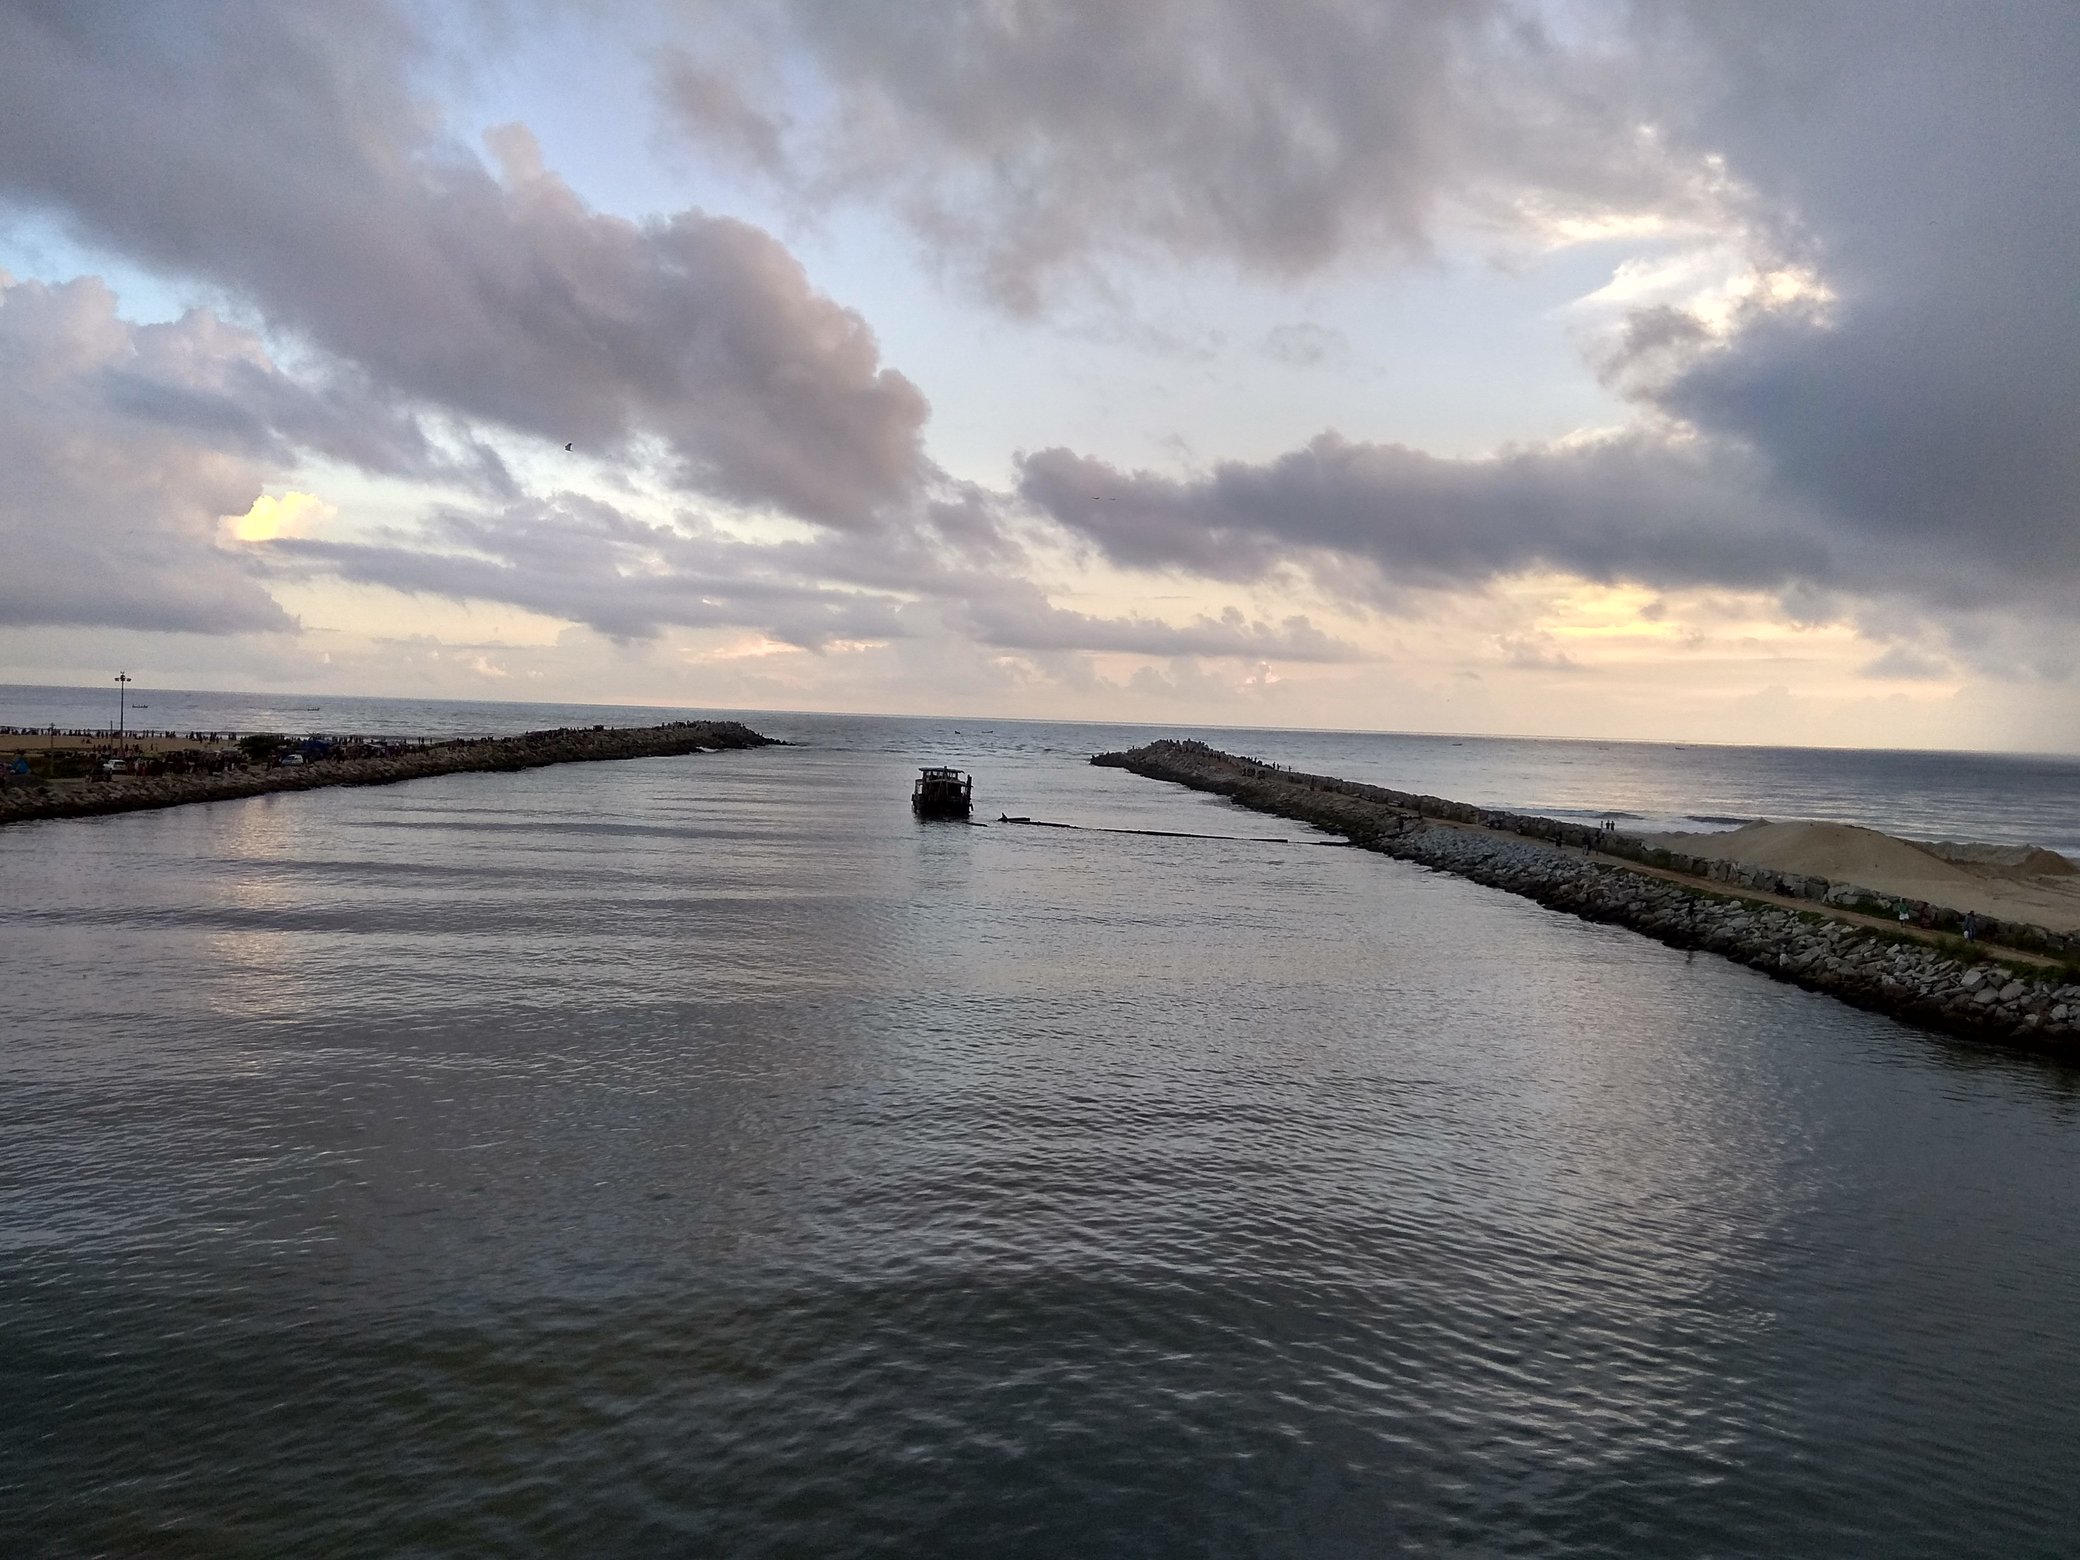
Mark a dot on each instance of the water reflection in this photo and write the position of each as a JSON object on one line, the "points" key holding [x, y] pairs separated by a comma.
{"points": [[700, 1154]]}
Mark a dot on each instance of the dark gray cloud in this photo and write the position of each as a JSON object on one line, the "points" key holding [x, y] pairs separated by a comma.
{"points": [[583, 560], [1633, 508], [216, 383], [279, 153], [710, 105], [1915, 435], [1303, 344], [1026, 136], [1535, 653], [1900, 664], [120, 448], [1926, 154], [123, 447], [1913, 439], [1018, 616], [580, 559]]}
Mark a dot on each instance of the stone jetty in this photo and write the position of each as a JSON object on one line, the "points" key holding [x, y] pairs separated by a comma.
{"points": [[530, 750], [1937, 982]]}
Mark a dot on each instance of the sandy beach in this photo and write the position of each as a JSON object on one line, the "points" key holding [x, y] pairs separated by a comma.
{"points": [[2012, 883]]}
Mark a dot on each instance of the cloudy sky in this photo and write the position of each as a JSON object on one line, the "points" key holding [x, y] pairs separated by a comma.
{"points": [[1572, 368]]}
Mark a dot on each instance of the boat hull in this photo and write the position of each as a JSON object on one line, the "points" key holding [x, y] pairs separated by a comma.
{"points": [[955, 806], [942, 793]]}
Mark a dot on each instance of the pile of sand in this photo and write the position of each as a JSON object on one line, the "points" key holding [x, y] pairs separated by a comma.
{"points": [[2017, 860], [2013, 882]]}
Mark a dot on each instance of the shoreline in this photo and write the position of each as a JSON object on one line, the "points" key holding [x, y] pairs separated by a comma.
{"points": [[530, 750], [2027, 997]]}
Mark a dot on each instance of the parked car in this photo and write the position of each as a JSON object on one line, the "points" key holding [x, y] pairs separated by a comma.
{"points": [[290, 760], [114, 766]]}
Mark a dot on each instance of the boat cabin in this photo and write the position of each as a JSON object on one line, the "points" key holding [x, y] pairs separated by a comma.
{"points": [[941, 793]]}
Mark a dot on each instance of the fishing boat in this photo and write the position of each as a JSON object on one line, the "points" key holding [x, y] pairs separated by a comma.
{"points": [[942, 793]]}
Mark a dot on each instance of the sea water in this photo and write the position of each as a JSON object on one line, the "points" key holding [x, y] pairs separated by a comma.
{"points": [[702, 1156]]}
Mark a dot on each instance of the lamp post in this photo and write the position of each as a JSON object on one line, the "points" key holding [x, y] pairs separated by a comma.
{"points": [[122, 698]]}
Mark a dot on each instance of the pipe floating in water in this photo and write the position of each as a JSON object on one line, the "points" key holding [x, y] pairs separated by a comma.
{"points": [[1166, 834]]}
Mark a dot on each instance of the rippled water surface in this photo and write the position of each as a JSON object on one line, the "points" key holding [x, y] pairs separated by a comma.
{"points": [[699, 1156]]}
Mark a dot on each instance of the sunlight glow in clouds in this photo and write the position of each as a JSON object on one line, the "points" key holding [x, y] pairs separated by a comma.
{"points": [[291, 514], [1059, 358]]}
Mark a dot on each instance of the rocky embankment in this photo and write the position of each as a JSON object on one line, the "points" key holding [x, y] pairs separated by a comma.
{"points": [[531, 750], [1973, 993]]}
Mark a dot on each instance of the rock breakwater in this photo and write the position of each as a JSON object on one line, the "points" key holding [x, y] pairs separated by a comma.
{"points": [[530, 750], [1949, 987]]}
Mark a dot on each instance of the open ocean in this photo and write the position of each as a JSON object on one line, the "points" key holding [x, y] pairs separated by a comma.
{"points": [[700, 1156]]}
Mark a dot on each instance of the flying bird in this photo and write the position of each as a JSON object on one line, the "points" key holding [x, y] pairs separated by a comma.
{"points": [[566, 447]]}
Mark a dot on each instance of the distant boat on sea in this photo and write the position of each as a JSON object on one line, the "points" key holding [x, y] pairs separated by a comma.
{"points": [[942, 793]]}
